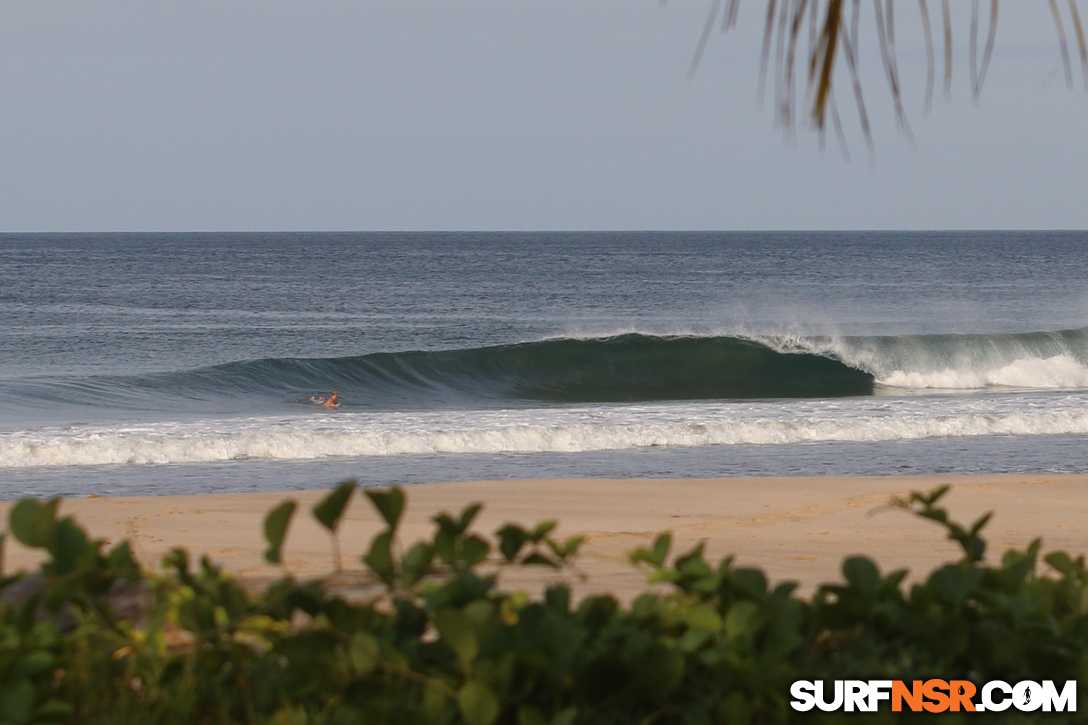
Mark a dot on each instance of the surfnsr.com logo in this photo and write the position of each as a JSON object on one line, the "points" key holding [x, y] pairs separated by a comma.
{"points": [[934, 696]]}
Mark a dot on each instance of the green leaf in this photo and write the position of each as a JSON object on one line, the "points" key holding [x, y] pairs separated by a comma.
{"points": [[693, 639], [363, 653], [566, 716], [275, 529], [536, 559], [541, 530], [178, 559], [981, 522], [566, 549], [16, 702], [435, 706], [557, 596], [417, 563], [380, 558], [742, 620], [478, 703], [861, 573], [529, 715], [475, 550], [444, 539], [511, 538], [736, 708], [571, 546], [468, 513], [656, 555], [329, 510], [34, 663], [32, 522], [52, 710], [457, 631], [933, 496], [974, 547], [703, 616], [1061, 561], [753, 581], [955, 583], [658, 669], [389, 503], [70, 546], [693, 563], [122, 562], [445, 524], [481, 614], [661, 548]]}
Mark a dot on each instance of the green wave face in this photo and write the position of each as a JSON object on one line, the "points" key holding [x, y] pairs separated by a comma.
{"points": [[618, 369], [622, 368], [640, 367], [632, 367]]}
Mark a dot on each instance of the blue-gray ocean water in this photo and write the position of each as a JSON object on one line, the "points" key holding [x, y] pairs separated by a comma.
{"points": [[184, 363]]}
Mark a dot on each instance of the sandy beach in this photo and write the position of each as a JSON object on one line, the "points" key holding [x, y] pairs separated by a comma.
{"points": [[794, 528]]}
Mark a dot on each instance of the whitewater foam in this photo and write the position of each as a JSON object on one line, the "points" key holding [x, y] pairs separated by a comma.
{"points": [[1060, 372], [1029, 361], [569, 430]]}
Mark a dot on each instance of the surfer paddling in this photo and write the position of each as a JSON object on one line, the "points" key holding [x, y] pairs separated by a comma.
{"points": [[331, 402]]}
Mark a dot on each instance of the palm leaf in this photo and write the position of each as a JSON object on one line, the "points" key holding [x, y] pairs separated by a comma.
{"points": [[829, 27], [1080, 41], [930, 64]]}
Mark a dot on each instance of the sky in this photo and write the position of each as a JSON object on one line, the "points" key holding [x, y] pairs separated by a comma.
{"points": [[419, 115]]}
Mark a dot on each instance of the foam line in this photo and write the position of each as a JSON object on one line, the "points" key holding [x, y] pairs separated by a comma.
{"points": [[527, 432]]}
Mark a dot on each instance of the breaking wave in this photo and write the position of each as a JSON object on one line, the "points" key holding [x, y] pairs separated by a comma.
{"points": [[618, 369]]}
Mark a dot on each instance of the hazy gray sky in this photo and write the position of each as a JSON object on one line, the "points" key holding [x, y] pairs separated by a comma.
{"points": [[489, 114]]}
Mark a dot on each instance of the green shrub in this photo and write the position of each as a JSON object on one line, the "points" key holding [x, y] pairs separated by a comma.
{"points": [[435, 640]]}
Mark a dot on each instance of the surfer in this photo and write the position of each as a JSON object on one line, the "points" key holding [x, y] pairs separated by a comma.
{"points": [[331, 402]]}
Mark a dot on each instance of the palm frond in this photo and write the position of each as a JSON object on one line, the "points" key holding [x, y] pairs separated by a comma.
{"points": [[729, 17], [1080, 41], [885, 28], [978, 69], [823, 60], [1063, 43], [947, 16], [849, 46], [930, 64], [829, 27], [768, 31], [704, 38]]}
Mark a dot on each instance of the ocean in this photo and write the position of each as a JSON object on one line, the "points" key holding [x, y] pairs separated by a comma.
{"points": [[184, 363]]}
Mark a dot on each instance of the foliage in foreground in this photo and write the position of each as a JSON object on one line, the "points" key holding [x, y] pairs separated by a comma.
{"points": [[437, 641]]}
